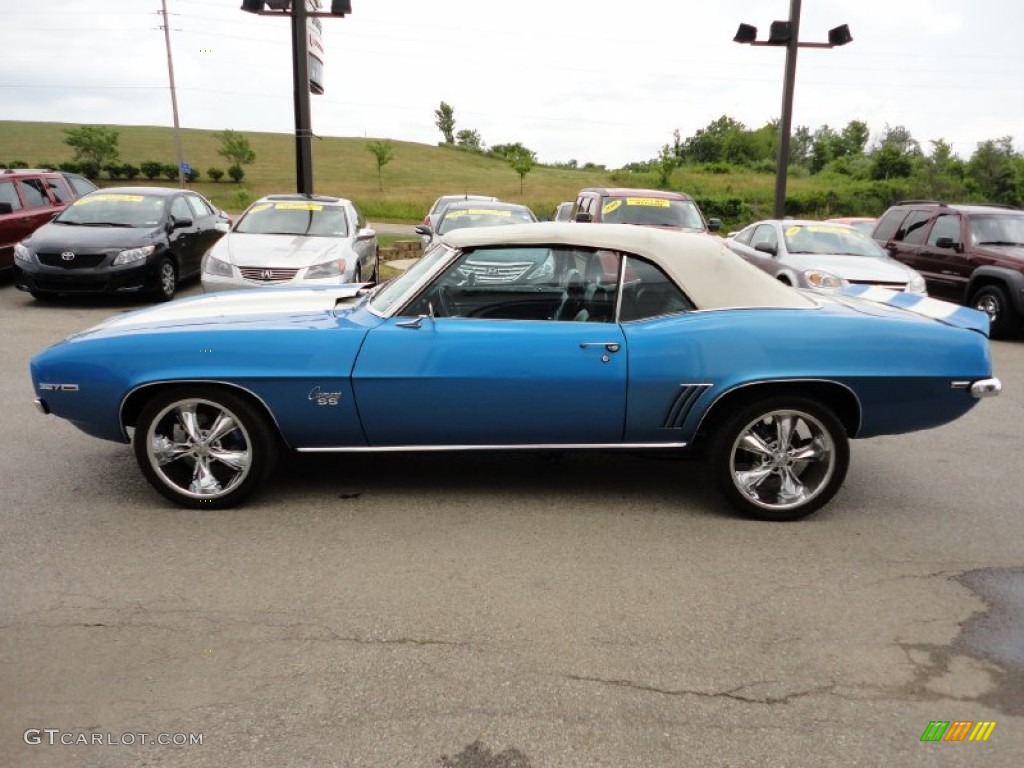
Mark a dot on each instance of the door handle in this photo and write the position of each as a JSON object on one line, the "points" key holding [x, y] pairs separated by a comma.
{"points": [[610, 346]]}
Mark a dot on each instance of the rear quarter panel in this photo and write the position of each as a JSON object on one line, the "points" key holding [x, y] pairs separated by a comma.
{"points": [[899, 368]]}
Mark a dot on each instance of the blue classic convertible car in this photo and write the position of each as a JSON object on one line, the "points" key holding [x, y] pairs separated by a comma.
{"points": [[541, 336]]}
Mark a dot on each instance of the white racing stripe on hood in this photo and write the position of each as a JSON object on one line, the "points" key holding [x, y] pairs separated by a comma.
{"points": [[260, 301]]}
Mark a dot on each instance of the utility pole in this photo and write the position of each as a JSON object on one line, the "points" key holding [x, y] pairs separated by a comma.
{"points": [[174, 96]]}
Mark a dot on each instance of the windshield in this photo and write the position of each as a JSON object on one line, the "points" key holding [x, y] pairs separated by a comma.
{"points": [[998, 229], [483, 217], [390, 292], [117, 210], [651, 211], [831, 240], [294, 218]]}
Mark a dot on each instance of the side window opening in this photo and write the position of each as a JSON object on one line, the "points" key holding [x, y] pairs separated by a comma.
{"points": [[648, 292]]}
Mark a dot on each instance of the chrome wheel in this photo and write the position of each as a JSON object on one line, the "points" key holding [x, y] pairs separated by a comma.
{"points": [[993, 301], [780, 459], [988, 304], [204, 447], [199, 449]]}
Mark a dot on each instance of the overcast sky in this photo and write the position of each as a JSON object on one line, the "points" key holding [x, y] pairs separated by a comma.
{"points": [[602, 81]]}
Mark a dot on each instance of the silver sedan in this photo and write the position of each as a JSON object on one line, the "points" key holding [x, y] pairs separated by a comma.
{"points": [[291, 240], [816, 254]]}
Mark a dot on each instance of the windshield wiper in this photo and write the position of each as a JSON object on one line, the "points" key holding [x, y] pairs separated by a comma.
{"points": [[104, 224], [999, 242]]}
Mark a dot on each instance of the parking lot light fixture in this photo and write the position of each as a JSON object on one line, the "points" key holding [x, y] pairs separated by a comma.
{"points": [[787, 33]]}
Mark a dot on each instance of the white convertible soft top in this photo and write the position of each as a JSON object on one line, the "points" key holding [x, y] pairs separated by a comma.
{"points": [[711, 275]]}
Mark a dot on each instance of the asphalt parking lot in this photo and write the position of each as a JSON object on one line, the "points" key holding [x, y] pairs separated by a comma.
{"points": [[504, 611]]}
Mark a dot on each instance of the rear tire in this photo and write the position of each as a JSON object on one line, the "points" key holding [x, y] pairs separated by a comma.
{"points": [[1002, 316], [780, 459]]}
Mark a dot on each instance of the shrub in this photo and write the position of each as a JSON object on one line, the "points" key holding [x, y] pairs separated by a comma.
{"points": [[69, 166], [169, 171], [215, 174], [236, 173], [89, 169], [151, 169], [193, 175], [243, 199], [17, 164], [113, 171], [129, 171]]}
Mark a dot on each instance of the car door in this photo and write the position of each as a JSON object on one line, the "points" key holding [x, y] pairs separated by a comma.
{"points": [[31, 207], [206, 221], [946, 271], [184, 239], [476, 359], [364, 242]]}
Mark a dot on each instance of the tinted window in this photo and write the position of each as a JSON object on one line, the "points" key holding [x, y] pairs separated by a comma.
{"points": [[180, 209], [888, 225], [482, 216], [744, 236], [59, 189], [829, 239], [947, 225], [8, 194], [913, 229], [34, 193]]}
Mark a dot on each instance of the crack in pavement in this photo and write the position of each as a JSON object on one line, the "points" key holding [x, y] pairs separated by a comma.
{"points": [[732, 693]]}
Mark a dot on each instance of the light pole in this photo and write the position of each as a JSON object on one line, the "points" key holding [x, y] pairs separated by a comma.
{"points": [[299, 13], [787, 33]]}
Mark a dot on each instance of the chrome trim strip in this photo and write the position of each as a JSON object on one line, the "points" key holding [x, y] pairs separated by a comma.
{"points": [[860, 408], [529, 447], [231, 385], [986, 388], [960, 385]]}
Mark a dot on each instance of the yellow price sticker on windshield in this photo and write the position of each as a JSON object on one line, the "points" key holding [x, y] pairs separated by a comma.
{"points": [[610, 206], [654, 202], [790, 231], [476, 212], [260, 207], [113, 197], [298, 207]]}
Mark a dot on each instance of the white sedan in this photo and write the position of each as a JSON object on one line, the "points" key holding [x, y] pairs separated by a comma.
{"points": [[816, 254], [294, 239]]}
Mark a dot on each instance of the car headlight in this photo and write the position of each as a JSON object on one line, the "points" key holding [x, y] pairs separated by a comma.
{"points": [[545, 270], [133, 255], [24, 255], [214, 266], [817, 279], [916, 285], [326, 269]]}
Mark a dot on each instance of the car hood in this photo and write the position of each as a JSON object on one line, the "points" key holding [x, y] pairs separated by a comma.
{"points": [[853, 268], [266, 306], [53, 237], [245, 250], [875, 300]]}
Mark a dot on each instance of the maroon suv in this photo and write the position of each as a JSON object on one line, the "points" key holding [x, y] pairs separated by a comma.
{"points": [[970, 254], [28, 199]]}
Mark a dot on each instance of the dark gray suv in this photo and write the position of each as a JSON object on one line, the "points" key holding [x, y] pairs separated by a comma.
{"points": [[970, 254]]}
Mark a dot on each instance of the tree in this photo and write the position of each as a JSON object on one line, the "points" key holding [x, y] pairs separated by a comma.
{"points": [[234, 148], [444, 119], [993, 167], [665, 164], [521, 161], [469, 140], [236, 173], [93, 143], [382, 152]]}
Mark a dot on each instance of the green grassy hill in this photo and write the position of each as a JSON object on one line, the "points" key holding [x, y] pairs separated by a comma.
{"points": [[416, 175]]}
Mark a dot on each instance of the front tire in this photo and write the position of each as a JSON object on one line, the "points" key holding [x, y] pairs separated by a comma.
{"points": [[167, 280], [993, 301], [780, 459], [203, 447]]}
